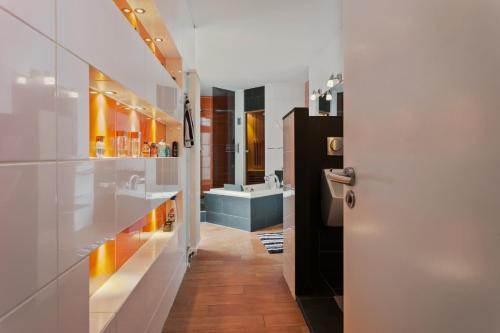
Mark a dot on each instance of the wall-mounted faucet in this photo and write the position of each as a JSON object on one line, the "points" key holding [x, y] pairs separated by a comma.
{"points": [[134, 181]]}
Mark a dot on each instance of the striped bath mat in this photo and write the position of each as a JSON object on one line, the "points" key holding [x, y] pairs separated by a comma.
{"points": [[272, 241]]}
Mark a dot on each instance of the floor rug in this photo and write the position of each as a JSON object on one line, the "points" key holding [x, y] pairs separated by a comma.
{"points": [[272, 241]]}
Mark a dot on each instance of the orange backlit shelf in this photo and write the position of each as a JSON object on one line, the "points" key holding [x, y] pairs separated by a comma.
{"points": [[113, 254], [108, 117]]}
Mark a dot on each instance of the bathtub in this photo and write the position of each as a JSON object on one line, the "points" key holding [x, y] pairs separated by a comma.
{"points": [[256, 207]]}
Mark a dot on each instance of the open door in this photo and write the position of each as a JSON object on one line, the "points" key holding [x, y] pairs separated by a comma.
{"points": [[255, 143], [422, 131]]}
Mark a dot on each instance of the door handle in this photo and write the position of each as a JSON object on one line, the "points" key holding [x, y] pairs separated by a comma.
{"points": [[348, 177]]}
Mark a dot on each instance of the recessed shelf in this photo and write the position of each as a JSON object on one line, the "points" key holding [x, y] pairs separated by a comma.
{"points": [[113, 294]]}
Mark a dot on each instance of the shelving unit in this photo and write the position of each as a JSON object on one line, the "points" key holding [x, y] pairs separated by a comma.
{"points": [[144, 187]]}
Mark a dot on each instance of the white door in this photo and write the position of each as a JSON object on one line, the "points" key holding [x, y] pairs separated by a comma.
{"points": [[422, 130]]}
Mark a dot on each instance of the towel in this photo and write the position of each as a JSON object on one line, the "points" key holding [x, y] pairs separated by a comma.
{"points": [[188, 124]]}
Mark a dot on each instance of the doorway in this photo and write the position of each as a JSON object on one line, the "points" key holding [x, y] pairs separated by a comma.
{"points": [[255, 143]]}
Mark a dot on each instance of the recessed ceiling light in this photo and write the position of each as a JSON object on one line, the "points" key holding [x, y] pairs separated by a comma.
{"points": [[110, 92], [127, 10], [93, 92], [158, 39], [147, 39], [140, 108], [140, 10]]}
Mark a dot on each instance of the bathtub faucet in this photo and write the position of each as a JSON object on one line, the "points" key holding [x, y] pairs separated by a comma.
{"points": [[275, 181]]}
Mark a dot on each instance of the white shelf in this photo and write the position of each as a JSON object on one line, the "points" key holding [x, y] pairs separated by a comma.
{"points": [[107, 301]]}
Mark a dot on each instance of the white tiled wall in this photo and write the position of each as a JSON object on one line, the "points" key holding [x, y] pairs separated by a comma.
{"points": [[72, 106], [27, 93], [37, 314], [86, 209], [73, 299], [56, 204], [40, 14], [28, 231]]}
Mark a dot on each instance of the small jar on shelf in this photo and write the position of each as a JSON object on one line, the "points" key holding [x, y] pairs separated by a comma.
{"points": [[122, 143], [146, 150], [153, 150], [100, 148], [135, 144]]}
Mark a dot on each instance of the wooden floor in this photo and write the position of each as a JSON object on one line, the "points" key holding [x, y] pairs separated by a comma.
{"points": [[234, 286]]}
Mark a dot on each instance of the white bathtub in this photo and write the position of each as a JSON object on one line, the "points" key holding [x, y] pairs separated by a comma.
{"points": [[257, 207], [250, 191]]}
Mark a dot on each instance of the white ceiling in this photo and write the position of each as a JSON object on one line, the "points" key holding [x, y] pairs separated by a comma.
{"points": [[247, 43]]}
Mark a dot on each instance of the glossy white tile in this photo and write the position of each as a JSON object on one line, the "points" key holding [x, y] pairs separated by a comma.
{"points": [[130, 192], [28, 230], [86, 210], [36, 314], [74, 299], [72, 106], [40, 14], [27, 93]]}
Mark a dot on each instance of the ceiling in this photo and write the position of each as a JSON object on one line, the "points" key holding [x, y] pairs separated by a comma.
{"points": [[247, 43]]}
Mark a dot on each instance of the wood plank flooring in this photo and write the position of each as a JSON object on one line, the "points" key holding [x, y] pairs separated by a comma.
{"points": [[234, 286]]}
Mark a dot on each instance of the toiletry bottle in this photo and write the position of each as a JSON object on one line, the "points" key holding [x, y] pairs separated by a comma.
{"points": [[100, 149], [135, 144], [175, 149], [168, 150], [153, 150], [162, 148], [122, 143], [146, 151]]}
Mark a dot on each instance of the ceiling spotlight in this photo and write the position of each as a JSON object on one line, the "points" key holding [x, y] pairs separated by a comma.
{"points": [[140, 10], [147, 39], [93, 92], [158, 39], [329, 96], [127, 10], [140, 108], [313, 96], [110, 92]]}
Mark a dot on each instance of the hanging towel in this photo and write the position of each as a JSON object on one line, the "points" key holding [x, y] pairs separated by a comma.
{"points": [[188, 124]]}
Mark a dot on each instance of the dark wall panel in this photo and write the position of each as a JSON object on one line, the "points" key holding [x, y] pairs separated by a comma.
{"points": [[223, 137]]}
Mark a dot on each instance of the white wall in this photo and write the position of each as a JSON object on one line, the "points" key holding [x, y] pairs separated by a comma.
{"points": [[240, 141], [280, 99], [195, 161], [330, 60]]}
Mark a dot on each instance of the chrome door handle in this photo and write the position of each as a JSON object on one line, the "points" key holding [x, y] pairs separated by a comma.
{"points": [[348, 177]]}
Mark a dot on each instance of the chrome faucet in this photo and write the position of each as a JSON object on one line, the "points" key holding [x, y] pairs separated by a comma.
{"points": [[133, 181], [276, 181]]}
